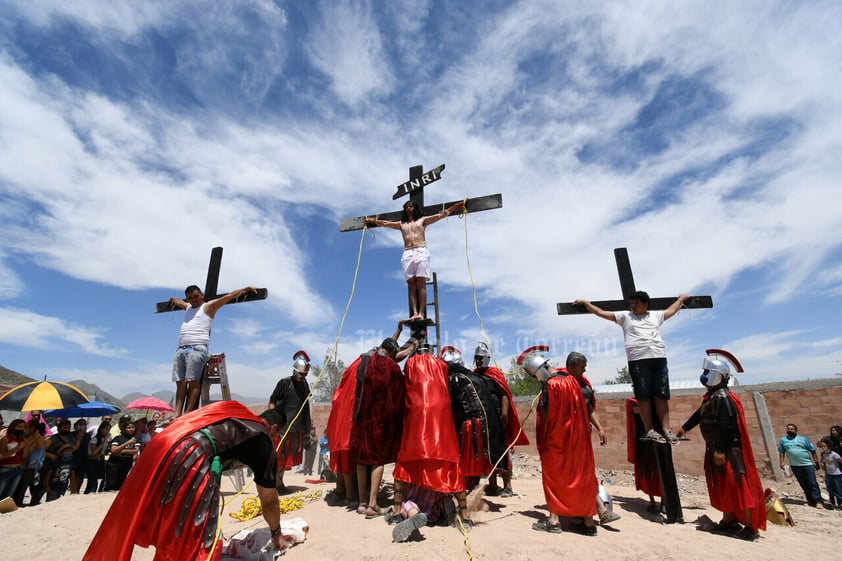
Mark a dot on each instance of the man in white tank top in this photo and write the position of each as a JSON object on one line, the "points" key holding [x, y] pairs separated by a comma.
{"points": [[193, 340]]}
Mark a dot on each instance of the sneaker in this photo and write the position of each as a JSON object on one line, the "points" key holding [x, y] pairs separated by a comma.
{"points": [[727, 528], [404, 529], [747, 534], [545, 526], [607, 517], [584, 530]]}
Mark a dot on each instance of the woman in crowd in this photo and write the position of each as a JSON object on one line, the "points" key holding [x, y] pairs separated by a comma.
{"points": [[123, 449], [11, 452], [96, 456], [80, 456], [33, 459]]}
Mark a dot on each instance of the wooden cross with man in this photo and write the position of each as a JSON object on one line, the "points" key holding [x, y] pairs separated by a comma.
{"points": [[412, 222]]}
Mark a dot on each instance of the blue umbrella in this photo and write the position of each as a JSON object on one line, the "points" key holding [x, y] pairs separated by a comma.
{"points": [[90, 409]]}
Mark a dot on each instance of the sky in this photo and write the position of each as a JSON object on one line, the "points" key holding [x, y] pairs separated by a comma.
{"points": [[135, 137]]}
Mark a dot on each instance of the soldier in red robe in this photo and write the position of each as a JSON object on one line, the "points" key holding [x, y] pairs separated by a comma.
{"points": [[170, 499], [343, 459], [508, 412], [734, 484], [429, 452], [564, 444], [378, 417]]}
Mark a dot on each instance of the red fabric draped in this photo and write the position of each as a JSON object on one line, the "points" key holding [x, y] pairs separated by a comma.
{"points": [[376, 432], [513, 426], [725, 494], [474, 463], [564, 442], [291, 451], [429, 452], [135, 516], [342, 458], [646, 476]]}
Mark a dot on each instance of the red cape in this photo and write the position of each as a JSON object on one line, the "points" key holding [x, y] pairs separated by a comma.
{"points": [[376, 431], [513, 426], [725, 493], [646, 476], [135, 517], [564, 442], [429, 453], [342, 459]]}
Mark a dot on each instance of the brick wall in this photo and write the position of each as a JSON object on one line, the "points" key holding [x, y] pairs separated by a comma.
{"points": [[813, 405]]}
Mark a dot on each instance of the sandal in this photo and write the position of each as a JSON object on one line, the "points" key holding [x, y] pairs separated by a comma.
{"points": [[545, 526], [506, 492], [674, 440], [654, 436], [362, 508], [373, 512]]}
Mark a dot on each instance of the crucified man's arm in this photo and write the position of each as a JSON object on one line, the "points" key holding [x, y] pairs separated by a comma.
{"points": [[443, 214]]}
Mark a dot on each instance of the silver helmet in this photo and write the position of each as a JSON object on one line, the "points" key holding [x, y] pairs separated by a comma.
{"points": [[451, 354], [482, 355], [301, 362], [715, 372], [534, 363]]}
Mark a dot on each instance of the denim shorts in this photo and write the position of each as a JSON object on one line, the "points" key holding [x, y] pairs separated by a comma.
{"points": [[189, 363], [650, 378]]}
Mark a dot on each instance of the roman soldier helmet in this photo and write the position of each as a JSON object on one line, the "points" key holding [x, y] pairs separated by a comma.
{"points": [[301, 362], [532, 359], [482, 355], [716, 367], [451, 354], [715, 372]]}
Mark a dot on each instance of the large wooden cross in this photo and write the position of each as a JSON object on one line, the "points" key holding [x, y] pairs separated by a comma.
{"points": [[212, 284], [621, 256], [418, 179]]}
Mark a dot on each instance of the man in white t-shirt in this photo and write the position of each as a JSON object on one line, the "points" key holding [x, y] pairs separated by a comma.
{"points": [[646, 354], [193, 340]]}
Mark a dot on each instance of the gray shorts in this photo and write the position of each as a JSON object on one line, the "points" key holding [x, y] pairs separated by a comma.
{"points": [[189, 363]]}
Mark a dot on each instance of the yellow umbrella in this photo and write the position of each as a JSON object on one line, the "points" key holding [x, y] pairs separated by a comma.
{"points": [[38, 396]]}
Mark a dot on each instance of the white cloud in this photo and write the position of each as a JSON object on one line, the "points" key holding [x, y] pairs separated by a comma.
{"points": [[28, 329], [347, 46]]}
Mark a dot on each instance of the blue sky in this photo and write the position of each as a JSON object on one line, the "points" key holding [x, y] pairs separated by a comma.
{"points": [[704, 137]]}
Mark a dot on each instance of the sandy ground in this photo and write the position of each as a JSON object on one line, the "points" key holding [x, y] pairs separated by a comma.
{"points": [[503, 530]]}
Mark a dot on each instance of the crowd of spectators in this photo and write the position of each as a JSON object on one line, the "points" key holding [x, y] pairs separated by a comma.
{"points": [[39, 462]]}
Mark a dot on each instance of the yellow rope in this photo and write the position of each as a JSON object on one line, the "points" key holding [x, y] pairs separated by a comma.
{"points": [[306, 401], [474, 288], [332, 351]]}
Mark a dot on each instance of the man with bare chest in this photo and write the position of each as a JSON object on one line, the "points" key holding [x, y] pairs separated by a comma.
{"points": [[416, 257]]}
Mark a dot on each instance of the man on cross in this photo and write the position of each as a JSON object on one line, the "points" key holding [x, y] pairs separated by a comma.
{"points": [[416, 258], [646, 354], [193, 340]]}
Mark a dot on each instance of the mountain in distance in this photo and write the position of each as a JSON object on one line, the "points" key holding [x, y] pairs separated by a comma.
{"points": [[95, 393], [11, 378]]}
